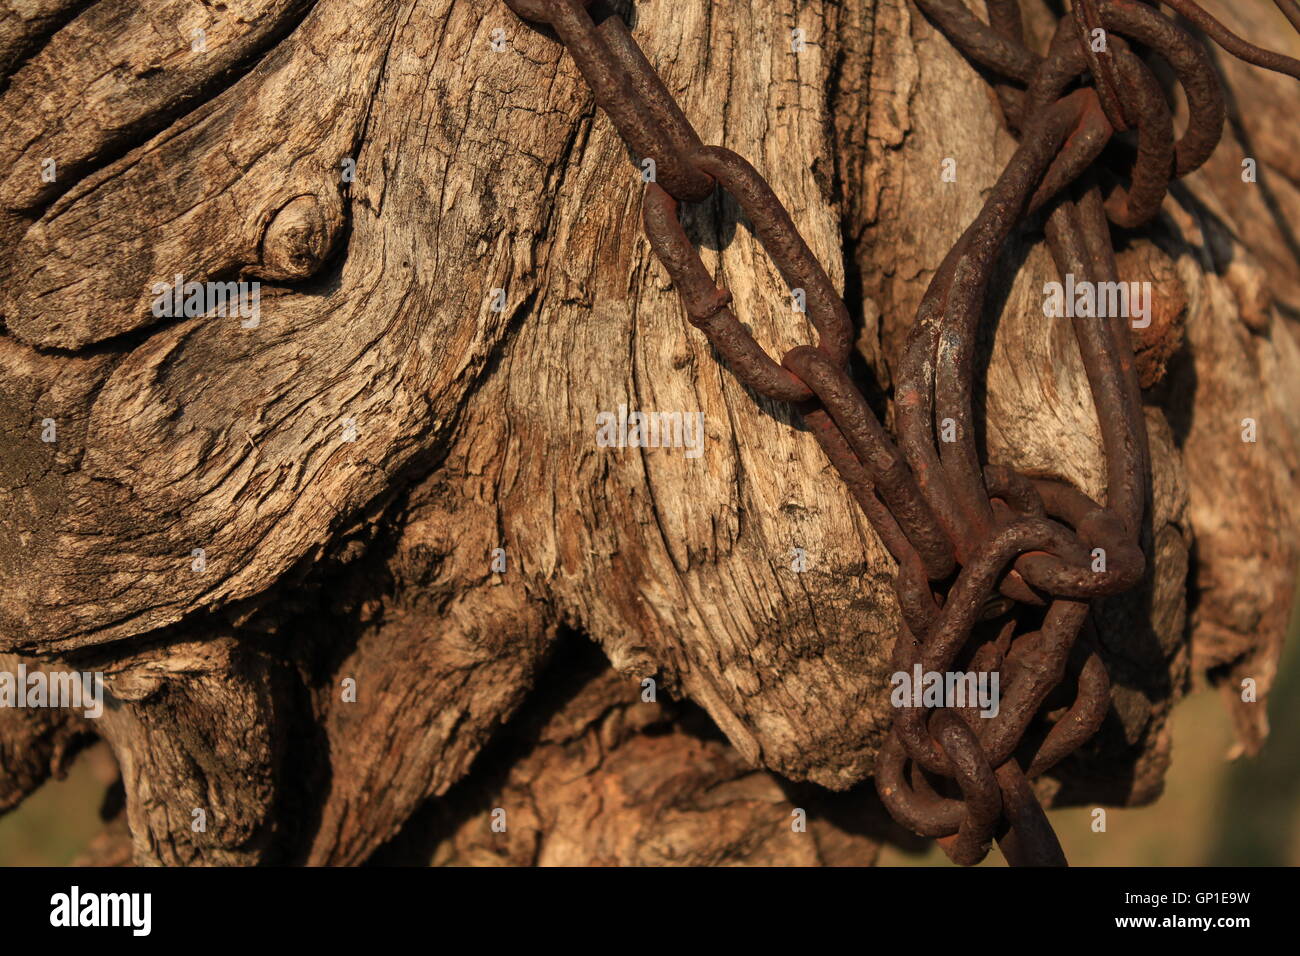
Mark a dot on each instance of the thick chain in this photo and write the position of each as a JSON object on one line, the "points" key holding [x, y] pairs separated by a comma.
{"points": [[995, 569]]}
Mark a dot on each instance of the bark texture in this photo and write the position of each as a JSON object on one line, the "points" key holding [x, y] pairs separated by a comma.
{"points": [[278, 541]]}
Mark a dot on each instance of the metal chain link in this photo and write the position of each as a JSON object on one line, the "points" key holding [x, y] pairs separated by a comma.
{"points": [[995, 568]]}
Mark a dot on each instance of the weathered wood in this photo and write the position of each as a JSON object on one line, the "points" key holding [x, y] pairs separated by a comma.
{"points": [[35, 743], [591, 774], [1240, 256], [349, 464]]}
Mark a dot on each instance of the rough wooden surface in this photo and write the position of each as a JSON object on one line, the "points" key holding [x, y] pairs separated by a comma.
{"points": [[589, 773], [370, 560]]}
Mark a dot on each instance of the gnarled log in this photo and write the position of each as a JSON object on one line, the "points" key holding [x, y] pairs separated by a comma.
{"points": [[323, 552]]}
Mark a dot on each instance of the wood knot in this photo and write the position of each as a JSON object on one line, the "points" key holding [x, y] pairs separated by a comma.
{"points": [[1156, 344], [298, 239], [1249, 284]]}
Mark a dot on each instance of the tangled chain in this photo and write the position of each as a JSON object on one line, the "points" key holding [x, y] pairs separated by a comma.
{"points": [[995, 569]]}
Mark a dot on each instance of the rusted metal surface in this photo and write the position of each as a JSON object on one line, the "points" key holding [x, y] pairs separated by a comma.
{"points": [[994, 568]]}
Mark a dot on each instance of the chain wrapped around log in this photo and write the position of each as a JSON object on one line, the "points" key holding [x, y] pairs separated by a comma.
{"points": [[994, 567]]}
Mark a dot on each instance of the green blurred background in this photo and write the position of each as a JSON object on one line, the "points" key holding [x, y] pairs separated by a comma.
{"points": [[1214, 812]]}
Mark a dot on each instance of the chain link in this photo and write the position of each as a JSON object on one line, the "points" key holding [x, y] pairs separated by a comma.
{"points": [[994, 568]]}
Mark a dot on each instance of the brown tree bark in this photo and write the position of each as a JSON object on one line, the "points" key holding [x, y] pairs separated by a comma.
{"points": [[349, 464]]}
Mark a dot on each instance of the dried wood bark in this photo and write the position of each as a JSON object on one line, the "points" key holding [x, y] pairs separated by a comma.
{"points": [[349, 465]]}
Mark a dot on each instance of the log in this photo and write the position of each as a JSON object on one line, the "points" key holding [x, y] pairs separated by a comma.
{"points": [[328, 555]]}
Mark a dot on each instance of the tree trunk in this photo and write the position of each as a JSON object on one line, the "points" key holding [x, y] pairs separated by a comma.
{"points": [[278, 540]]}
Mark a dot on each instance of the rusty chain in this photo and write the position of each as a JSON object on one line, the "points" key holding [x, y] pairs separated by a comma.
{"points": [[995, 569]]}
